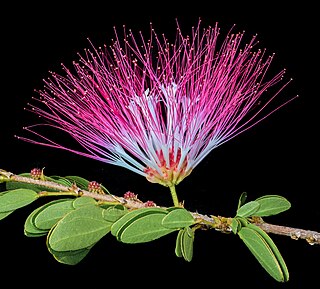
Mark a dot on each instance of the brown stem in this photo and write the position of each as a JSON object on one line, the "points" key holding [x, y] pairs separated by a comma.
{"points": [[218, 223]]}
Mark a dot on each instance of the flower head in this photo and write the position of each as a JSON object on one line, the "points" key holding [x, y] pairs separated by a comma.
{"points": [[157, 107]]}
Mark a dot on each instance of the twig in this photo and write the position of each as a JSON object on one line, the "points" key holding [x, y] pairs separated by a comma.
{"points": [[218, 223]]}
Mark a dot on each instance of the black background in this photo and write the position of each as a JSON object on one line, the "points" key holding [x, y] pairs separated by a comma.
{"points": [[278, 156]]}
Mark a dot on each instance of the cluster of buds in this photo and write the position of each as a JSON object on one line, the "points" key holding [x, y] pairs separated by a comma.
{"points": [[36, 173], [95, 187], [149, 204], [130, 196]]}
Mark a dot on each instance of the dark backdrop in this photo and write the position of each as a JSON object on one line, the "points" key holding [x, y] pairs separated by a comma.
{"points": [[278, 156]]}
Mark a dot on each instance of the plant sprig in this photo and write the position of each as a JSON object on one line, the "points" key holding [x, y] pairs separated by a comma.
{"points": [[84, 212]]}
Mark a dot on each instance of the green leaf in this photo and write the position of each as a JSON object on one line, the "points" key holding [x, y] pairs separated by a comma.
{"points": [[70, 257], [235, 225], [178, 218], [131, 216], [178, 248], [262, 252], [5, 214], [51, 213], [271, 205], [114, 213], [30, 230], [60, 180], [80, 182], [145, 228], [187, 240], [273, 248], [79, 229], [15, 199], [242, 199], [83, 201], [248, 209]]}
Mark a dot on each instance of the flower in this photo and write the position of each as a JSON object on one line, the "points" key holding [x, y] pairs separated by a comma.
{"points": [[155, 107]]}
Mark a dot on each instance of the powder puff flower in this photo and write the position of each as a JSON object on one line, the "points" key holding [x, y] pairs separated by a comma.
{"points": [[155, 107]]}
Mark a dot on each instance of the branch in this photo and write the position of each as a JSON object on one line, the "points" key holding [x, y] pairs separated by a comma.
{"points": [[204, 222]]}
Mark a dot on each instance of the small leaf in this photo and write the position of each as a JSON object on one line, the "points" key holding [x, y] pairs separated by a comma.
{"points": [[70, 257], [271, 205], [235, 225], [114, 213], [15, 199], [143, 229], [79, 229], [178, 218], [79, 181], [131, 216], [83, 201], [30, 230], [60, 180], [273, 248], [52, 213], [187, 239], [242, 199], [248, 209], [178, 248], [262, 251]]}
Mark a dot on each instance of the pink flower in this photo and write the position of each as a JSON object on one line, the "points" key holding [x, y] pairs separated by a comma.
{"points": [[155, 107]]}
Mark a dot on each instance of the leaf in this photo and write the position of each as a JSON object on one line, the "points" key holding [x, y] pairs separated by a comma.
{"points": [[143, 229], [274, 249], [235, 225], [131, 216], [178, 218], [272, 205], [178, 248], [51, 213], [248, 209], [15, 199], [30, 230], [83, 201], [79, 229], [79, 181], [114, 213], [70, 257], [262, 252], [242, 199], [187, 239], [60, 180]]}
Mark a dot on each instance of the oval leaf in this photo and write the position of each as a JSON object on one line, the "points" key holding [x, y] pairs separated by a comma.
{"points": [[12, 200], [248, 209], [30, 230], [79, 181], [274, 248], [114, 213], [242, 199], [79, 229], [52, 213], [187, 239], [272, 205], [178, 218], [131, 216], [235, 225], [178, 248], [146, 228], [83, 201], [261, 250]]}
